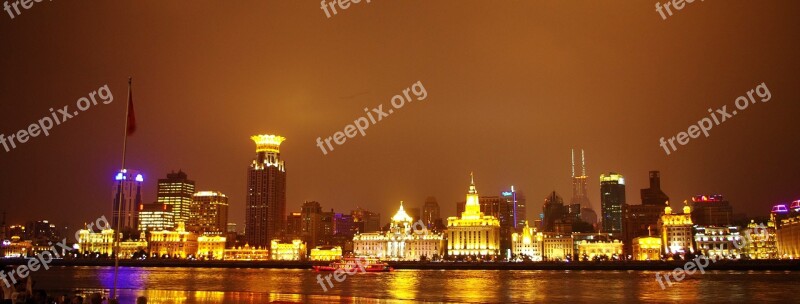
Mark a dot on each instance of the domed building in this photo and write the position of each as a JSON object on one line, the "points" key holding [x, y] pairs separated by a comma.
{"points": [[404, 241]]}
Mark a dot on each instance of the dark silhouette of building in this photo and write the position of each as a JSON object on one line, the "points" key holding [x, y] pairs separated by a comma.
{"points": [[266, 192], [431, 213], [712, 210], [612, 198], [554, 212], [653, 196]]}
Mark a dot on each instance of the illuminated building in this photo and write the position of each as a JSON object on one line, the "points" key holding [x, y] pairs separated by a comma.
{"points": [[96, 242], [779, 213], [593, 237], [288, 251], [527, 244], [211, 247], [294, 224], [712, 210], [600, 249], [431, 214], [762, 241], [16, 230], [247, 253], [556, 247], [130, 247], [788, 238], [489, 205], [41, 232], [676, 230], [128, 187], [266, 192], [637, 220], [326, 253], [646, 248], [512, 209], [208, 212], [474, 233], [403, 241], [176, 191], [612, 198], [718, 242], [16, 248], [579, 185], [179, 243], [156, 217]]}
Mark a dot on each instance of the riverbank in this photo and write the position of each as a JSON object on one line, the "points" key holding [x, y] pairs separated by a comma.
{"points": [[775, 265]]}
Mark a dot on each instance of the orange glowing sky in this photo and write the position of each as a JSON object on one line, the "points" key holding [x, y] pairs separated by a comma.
{"points": [[512, 86]]}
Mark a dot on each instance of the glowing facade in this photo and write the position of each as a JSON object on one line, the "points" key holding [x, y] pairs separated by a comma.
{"points": [[247, 253], [179, 243], [156, 217], [288, 251], [266, 192], [209, 212], [211, 247], [646, 248], [788, 238], [612, 198], [473, 234], [326, 253], [96, 242], [527, 245], [557, 247], [762, 241], [718, 242], [590, 250], [176, 191], [676, 231], [403, 241]]}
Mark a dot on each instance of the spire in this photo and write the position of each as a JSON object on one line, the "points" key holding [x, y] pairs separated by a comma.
{"points": [[583, 163], [573, 161], [472, 189]]}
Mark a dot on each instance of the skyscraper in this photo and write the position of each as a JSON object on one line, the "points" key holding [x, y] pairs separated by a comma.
{"points": [[266, 192], [156, 217], [513, 211], [653, 196], [553, 211], [431, 213], [127, 196], [176, 191], [579, 193], [209, 212], [612, 197]]}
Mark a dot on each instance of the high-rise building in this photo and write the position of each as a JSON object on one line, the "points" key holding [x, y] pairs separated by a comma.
{"points": [[266, 192], [176, 191], [490, 205], [653, 196], [711, 210], [366, 221], [294, 224], [41, 232], [612, 198], [513, 211], [579, 183], [553, 211], [431, 213], [127, 196], [209, 213], [156, 217], [639, 221], [474, 233]]}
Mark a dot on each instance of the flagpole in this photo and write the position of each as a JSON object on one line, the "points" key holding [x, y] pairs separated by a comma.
{"points": [[117, 238]]}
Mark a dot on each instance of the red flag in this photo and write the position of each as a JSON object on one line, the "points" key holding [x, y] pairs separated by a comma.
{"points": [[131, 116]]}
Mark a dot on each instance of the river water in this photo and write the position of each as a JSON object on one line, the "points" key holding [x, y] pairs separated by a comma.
{"points": [[227, 285]]}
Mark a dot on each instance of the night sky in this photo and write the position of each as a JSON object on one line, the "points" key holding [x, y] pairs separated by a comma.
{"points": [[512, 87]]}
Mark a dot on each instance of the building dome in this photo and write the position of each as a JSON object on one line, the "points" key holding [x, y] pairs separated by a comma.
{"points": [[401, 215]]}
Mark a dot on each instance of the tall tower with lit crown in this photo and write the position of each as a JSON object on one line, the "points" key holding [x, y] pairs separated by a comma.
{"points": [[266, 192], [127, 196], [474, 233]]}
